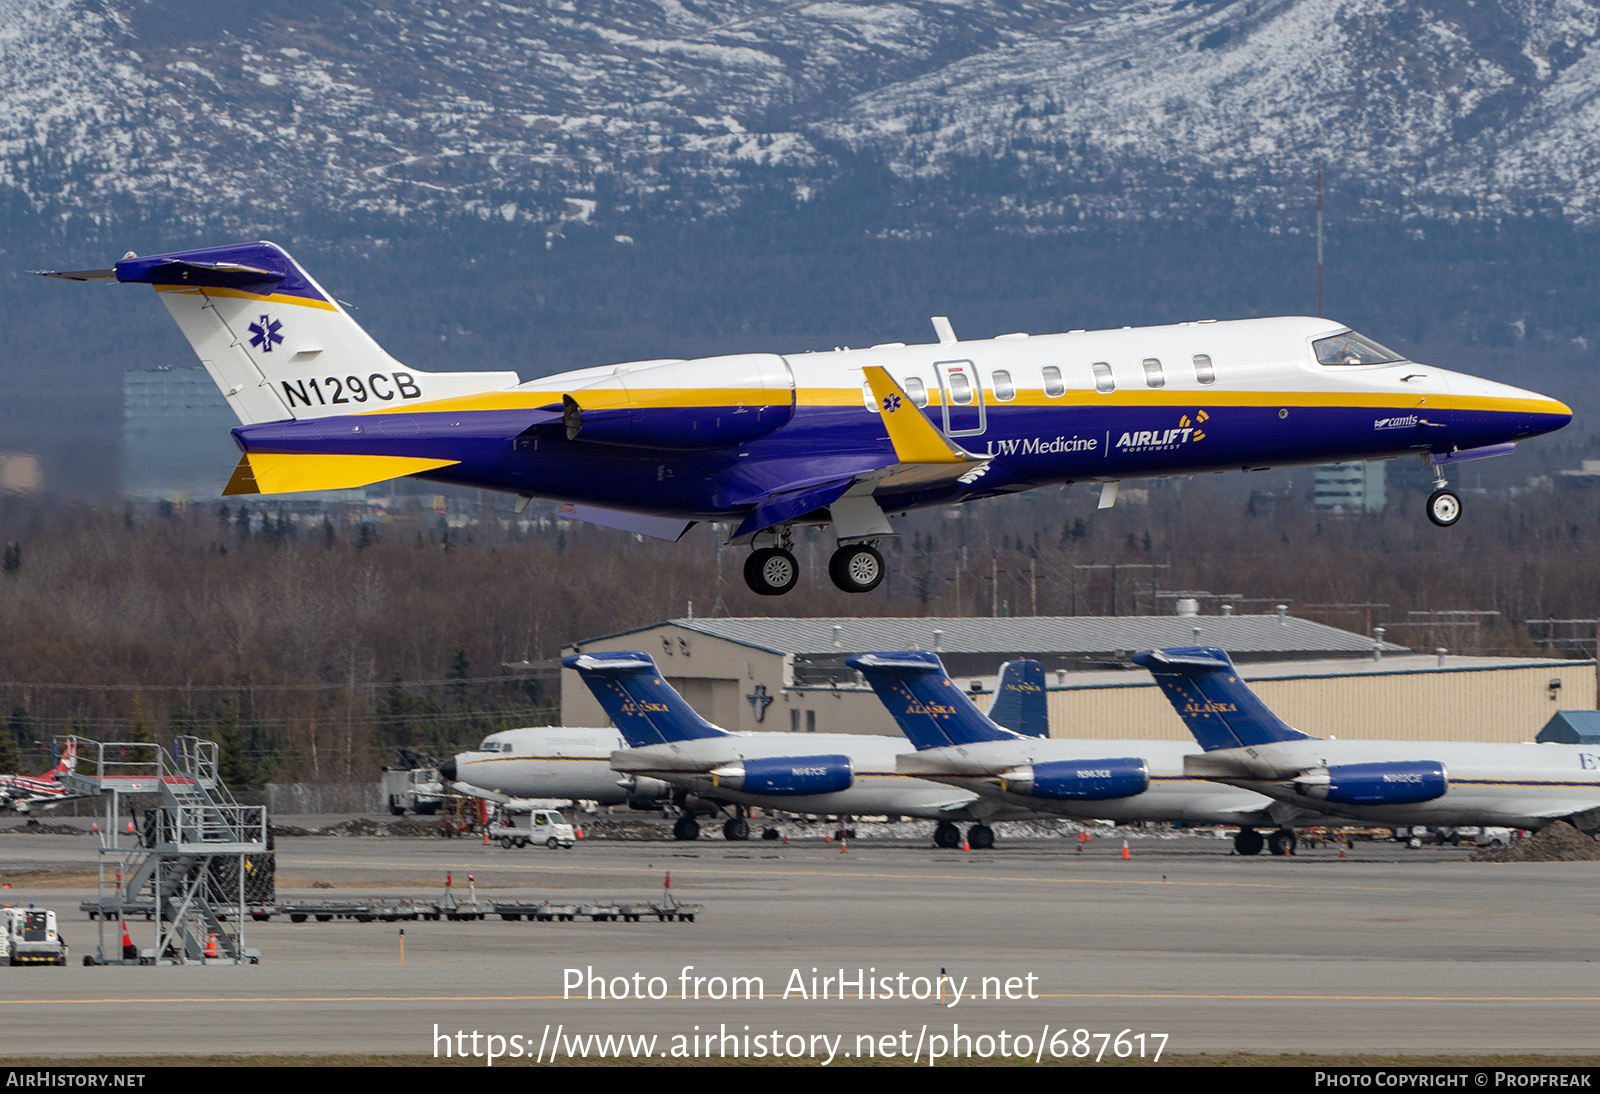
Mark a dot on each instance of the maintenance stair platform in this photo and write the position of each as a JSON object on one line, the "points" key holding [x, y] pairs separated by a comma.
{"points": [[185, 870]]}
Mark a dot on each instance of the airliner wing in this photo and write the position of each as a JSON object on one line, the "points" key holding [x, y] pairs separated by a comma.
{"points": [[923, 457]]}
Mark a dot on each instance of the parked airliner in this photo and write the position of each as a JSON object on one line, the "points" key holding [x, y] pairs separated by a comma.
{"points": [[1430, 783], [1086, 779], [821, 773], [766, 442]]}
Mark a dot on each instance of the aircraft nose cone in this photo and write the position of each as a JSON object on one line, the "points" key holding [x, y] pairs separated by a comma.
{"points": [[448, 769]]}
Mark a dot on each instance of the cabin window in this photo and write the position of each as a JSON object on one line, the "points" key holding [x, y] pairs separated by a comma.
{"points": [[870, 399], [916, 391], [960, 388], [1004, 389], [1153, 375], [1351, 348], [1203, 372], [1104, 382], [1054, 386]]}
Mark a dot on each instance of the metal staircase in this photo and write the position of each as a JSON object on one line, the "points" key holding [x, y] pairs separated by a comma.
{"points": [[186, 871]]}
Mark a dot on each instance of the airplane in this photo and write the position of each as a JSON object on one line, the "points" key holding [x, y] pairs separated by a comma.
{"points": [[22, 792], [768, 442], [822, 773], [1432, 783], [569, 762], [1085, 779]]}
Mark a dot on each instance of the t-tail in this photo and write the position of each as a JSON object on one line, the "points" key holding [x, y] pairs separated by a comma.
{"points": [[1019, 700], [282, 349], [643, 706], [930, 709], [1220, 710]]}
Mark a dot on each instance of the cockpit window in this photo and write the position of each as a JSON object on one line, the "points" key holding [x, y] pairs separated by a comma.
{"points": [[1351, 348], [492, 745]]}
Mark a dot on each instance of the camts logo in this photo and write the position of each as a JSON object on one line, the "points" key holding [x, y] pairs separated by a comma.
{"points": [[1165, 440], [1405, 421]]}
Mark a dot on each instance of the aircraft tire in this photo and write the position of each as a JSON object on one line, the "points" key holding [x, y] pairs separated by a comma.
{"points": [[1444, 508], [947, 836], [980, 837], [1281, 842], [771, 571], [735, 829], [686, 829], [856, 568], [1247, 842]]}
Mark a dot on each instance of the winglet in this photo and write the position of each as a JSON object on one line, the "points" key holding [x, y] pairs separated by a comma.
{"points": [[1219, 708], [915, 439]]}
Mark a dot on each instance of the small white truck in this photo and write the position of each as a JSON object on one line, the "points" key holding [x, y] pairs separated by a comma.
{"points": [[543, 826], [28, 936], [418, 789]]}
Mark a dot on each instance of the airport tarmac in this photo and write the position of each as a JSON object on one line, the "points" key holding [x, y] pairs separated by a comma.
{"points": [[1182, 947]]}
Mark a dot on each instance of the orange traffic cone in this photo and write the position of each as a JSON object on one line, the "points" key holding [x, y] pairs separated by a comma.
{"points": [[1125, 855], [965, 846], [844, 846], [129, 952]]}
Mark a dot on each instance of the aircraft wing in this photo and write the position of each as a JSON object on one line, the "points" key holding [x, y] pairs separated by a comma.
{"points": [[923, 457]]}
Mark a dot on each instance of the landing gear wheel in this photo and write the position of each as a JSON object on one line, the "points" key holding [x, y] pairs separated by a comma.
{"points": [[1248, 842], [1444, 508], [1281, 842], [771, 571], [686, 829], [980, 837], [947, 835], [736, 828], [856, 568]]}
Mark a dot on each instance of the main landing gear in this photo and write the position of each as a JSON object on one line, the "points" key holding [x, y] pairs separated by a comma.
{"points": [[854, 568], [947, 835], [1249, 842]]}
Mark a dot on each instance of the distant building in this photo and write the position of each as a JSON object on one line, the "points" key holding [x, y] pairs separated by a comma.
{"points": [[1351, 487], [788, 675], [175, 435]]}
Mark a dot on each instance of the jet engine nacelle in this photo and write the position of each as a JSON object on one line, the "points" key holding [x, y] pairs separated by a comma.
{"points": [[787, 775], [1079, 780], [1401, 782], [644, 793], [710, 403]]}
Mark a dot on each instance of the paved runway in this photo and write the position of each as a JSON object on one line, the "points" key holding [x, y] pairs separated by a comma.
{"points": [[1387, 951]]}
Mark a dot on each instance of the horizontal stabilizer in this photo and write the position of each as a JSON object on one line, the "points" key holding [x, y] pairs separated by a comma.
{"points": [[290, 472]]}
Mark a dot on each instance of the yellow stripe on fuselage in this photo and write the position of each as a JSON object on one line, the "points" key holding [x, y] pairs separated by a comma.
{"points": [[291, 472], [685, 399], [240, 294]]}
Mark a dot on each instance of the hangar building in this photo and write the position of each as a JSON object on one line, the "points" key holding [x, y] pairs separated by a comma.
{"points": [[789, 674]]}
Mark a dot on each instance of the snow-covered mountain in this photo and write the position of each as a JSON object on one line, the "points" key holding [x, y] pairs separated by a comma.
{"points": [[1036, 113]]}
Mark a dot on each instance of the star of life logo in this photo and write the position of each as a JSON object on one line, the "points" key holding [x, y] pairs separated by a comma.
{"points": [[1165, 440], [891, 403], [265, 334]]}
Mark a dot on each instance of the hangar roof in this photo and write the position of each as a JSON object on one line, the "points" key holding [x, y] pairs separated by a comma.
{"points": [[1245, 637]]}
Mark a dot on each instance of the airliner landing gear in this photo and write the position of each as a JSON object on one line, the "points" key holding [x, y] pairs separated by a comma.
{"points": [[736, 828], [856, 568], [1248, 842], [687, 828], [771, 571], [980, 837], [1281, 842], [947, 835]]}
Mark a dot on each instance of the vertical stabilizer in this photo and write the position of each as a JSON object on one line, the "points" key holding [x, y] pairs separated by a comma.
{"points": [[930, 709], [1220, 710], [1019, 699], [646, 708]]}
